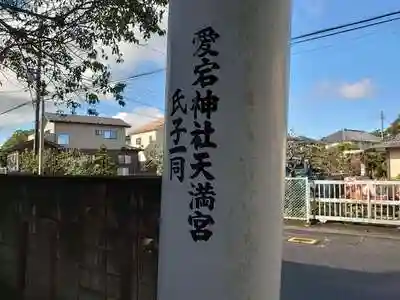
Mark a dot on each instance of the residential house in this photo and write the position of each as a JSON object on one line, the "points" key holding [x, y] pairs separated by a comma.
{"points": [[150, 133], [391, 148], [13, 156], [85, 132], [89, 134], [359, 139]]}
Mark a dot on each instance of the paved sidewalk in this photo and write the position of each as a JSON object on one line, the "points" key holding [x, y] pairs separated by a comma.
{"points": [[348, 229]]}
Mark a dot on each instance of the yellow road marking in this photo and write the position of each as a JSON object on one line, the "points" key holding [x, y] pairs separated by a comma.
{"points": [[300, 240]]}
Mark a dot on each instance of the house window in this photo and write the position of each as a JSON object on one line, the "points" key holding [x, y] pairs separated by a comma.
{"points": [[139, 141], [124, 159], [123, 171], [63, 139], [150, 139], [98, 132], [110, 134]]}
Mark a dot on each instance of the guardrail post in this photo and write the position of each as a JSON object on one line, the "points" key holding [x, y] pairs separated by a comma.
{"points": [[369, 204], [308, 204]]}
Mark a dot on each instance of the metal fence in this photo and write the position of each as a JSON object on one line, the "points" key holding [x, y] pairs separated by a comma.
{"points": [[296, 202], [374, 202]]}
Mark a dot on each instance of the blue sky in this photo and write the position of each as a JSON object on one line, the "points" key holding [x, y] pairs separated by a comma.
{"points": [[338, 82], [345, 80]]}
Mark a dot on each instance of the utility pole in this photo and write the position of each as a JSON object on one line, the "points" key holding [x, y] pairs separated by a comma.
{"points": [[41, 137], [382, 125], [38, 89], [38, 96], [223, 184], [39, 106]]}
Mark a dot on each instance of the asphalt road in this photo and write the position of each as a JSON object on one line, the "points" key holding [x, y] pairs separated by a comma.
{"points": [[341, 267]]}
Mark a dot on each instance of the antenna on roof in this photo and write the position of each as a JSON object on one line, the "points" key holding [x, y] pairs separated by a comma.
{"points": [[382, 121]]}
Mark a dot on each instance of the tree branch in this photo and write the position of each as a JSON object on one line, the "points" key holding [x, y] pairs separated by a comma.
{"points": [[28, 12]]}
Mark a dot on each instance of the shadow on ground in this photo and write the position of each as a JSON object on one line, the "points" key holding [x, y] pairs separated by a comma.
{"points": [[312, 282]]}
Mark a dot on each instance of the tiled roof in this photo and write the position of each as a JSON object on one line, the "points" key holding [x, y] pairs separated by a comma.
{"points": [[79, 119], [350, 135], [29, 145], [391, 142], [154, 125], [302, 139]]}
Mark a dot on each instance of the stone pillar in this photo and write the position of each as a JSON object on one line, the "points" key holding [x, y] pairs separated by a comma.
{"points": [[223, 183]]}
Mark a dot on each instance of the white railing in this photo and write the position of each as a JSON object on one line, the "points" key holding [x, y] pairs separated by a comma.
{"points": [[375, 202]]}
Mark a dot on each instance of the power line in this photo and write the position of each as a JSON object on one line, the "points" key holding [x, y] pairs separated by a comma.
{"points": [[331, 45], [113, 81], [146, 104], [130, 78], [343, 31], [15, 108], [308, 36], [329, 29], [124, 79], [139, 75], [48, 100], [13, 91], [293, 39]]}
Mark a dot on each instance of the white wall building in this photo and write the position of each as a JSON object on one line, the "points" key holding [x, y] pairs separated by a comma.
{"points": [[84, 132], [150, 133]]}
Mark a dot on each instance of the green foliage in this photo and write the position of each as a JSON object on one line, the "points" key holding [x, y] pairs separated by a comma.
{"points": [[102, 164], [72, 43], [392, 130], [71, 162], [394, 127], [328, 161], [375, 164], [347, 146], [28, 162], [154, 158], [17, 137], [333, 160]]}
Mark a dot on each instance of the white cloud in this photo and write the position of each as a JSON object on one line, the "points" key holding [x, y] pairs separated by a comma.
{"points": [[16, 107], [140, 116], [21, 115], [314, 8], [357, 90], [153, 50], [361, 89]]}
